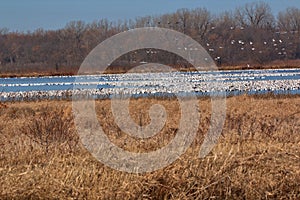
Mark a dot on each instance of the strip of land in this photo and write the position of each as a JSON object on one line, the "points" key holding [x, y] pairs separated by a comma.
{"points": [[70, 71]]}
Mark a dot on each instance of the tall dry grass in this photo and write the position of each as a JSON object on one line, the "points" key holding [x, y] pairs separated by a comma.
{"points": [[257, 156]]}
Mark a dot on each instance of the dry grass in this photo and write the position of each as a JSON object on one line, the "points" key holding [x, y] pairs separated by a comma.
{"points": [[70, 71], [257, 157]]}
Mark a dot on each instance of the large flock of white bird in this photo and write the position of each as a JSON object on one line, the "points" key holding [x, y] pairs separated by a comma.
{"points": [[163, 84]]}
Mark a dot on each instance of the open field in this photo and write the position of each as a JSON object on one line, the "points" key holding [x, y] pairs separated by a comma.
{"points": [[257, 157]]}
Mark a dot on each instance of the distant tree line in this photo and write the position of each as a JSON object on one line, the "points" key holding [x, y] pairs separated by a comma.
{"points": [[248, 35]]}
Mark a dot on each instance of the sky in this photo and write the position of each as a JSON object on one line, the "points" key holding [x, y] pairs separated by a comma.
{"points": [[29, 15]]}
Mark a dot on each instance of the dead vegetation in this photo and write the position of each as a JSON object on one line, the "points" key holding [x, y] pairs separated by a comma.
{"points": [[257, 156]]}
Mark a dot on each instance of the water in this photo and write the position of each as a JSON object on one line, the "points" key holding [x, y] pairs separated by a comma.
{"points": [[233, 82]]}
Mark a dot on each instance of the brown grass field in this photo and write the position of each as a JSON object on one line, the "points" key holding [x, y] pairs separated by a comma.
{"points": [[257, 156]]}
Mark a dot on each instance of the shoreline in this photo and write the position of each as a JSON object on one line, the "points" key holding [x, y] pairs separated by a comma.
{"points": [[274, 65], [48, 75]]}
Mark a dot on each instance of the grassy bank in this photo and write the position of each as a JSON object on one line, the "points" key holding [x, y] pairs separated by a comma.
{"points": [[257, 156], [69, 71]]}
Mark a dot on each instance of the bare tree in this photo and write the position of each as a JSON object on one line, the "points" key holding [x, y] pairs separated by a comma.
{"points": [[74, 31], [201, 18], [257, 15], [226, 20], [144, 22], [289, 20], [184, 19]]}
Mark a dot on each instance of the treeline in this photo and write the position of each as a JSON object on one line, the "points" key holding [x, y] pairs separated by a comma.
{"points": [[249, 35]]}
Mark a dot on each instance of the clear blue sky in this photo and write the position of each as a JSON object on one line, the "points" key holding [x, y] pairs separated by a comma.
{"points": [[23, 15]]}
